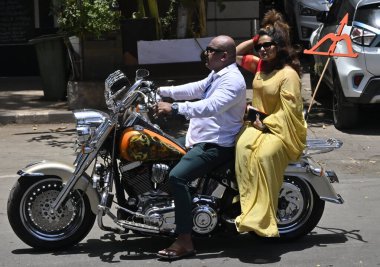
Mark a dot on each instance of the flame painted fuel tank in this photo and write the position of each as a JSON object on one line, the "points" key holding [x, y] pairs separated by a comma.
{"points": [[146, 145]]}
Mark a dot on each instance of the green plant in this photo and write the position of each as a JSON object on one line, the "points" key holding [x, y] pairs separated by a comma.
{"points": [[169, 20], [86, 17]]}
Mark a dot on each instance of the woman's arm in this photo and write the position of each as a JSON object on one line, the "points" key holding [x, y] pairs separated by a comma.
{"points": [[244, 55], [248, 62], [244, 48]]}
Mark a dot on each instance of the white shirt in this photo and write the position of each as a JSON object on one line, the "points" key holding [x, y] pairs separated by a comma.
{"points": [[217, 118]]}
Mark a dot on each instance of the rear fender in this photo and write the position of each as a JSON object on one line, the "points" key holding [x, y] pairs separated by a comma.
{"points": [[63, 171], [320, 182]]}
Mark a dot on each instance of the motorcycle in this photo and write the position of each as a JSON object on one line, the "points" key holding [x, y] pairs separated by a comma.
{"points": [[121, 171]]}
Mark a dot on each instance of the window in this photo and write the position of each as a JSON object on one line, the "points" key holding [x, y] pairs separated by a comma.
{"points": [[369, 15]]}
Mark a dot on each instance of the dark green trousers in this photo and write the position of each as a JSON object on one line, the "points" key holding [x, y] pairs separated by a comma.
{"points": [[198, 161]]}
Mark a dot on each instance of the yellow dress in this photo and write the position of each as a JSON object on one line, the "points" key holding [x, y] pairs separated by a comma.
{"points": [[261, 158]]}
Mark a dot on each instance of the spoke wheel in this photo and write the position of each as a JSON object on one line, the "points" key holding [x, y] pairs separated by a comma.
{"points": [[299, 208], [31, 217]]}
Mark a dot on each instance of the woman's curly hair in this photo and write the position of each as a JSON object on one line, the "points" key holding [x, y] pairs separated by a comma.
{"points": [[274, 25]]}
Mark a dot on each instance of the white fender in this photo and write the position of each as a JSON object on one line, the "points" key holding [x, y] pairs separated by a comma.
{"points": [[318, 180], [63, 171]]}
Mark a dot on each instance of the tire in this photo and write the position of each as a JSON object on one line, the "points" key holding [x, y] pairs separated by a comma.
{"points": [[345, 114], [28, 214], [299, 209]]}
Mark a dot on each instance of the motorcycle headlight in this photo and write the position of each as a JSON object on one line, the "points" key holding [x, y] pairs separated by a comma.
{"points": [[84, 133], [87, 123]]}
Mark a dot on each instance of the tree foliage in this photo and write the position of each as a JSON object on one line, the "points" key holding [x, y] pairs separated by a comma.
{"points": [[86, 17]]}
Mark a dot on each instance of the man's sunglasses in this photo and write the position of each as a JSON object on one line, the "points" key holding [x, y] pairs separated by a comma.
{"points": [[265, 45], [213, 50]]}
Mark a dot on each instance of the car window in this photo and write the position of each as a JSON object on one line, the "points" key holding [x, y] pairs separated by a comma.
{"points": [[369, 15]]}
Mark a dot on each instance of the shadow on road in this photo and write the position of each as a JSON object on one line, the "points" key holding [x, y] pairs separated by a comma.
{"points": [[246, 248], [60, 137]]}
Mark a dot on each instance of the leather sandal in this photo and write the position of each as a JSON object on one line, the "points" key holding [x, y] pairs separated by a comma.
{"points": [[173, 254]]}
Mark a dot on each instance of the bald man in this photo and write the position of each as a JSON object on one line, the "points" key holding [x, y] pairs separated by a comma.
{"points": [[215, 119]]}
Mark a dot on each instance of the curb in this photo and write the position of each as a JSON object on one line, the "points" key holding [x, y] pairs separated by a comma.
{"points": [[50, 116], [28, 117]]}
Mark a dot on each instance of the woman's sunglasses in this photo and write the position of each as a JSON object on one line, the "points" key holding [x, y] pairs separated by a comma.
{"points": [[266, 45]]}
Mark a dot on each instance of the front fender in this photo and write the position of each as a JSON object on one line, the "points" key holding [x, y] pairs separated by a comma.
{"points": [[63, 171]]}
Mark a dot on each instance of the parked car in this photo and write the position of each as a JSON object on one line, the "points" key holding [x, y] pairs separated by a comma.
{"points": [[301, 15], [352, 81]]}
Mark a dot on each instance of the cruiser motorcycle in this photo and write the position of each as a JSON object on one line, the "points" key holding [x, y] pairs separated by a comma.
{"points": [[121, 171]]}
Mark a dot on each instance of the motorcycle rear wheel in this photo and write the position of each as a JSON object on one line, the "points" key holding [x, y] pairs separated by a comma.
{"points": [[299, 208], [30, 218]]}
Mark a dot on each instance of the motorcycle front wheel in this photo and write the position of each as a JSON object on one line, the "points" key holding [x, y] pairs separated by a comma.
{"points": [[299, 208], [33, 222]]}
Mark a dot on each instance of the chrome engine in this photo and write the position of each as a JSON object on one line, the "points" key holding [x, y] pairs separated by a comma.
{"points": [[144, 178], [148, 189], [205, 214], [161, 214]]}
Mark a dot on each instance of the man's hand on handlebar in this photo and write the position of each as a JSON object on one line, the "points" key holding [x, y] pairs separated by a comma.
{"points": [[163, 108]]}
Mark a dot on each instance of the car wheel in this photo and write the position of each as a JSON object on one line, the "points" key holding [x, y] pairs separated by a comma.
{"points": [[345, 114]]}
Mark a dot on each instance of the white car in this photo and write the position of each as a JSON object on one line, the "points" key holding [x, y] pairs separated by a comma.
{"points": [[301, 15], [352, 81]]}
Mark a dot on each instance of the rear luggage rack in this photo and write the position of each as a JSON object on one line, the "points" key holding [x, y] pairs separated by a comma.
{"points": [[318, 146]]}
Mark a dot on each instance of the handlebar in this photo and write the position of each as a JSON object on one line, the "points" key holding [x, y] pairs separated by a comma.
{"points": [[119, 95]]}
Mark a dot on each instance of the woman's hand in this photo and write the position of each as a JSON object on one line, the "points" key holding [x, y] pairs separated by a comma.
{"points": [[258, 124], [246, 47]]}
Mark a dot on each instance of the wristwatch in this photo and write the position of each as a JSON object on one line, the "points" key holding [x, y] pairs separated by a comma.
{"points": [[175, 108]]}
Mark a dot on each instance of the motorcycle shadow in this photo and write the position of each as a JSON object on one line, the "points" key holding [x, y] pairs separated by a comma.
{"points": [[246, 248]]}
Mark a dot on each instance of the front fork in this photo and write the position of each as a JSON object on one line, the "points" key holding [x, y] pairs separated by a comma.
{"points": [[106, 202], [83, 161]]}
